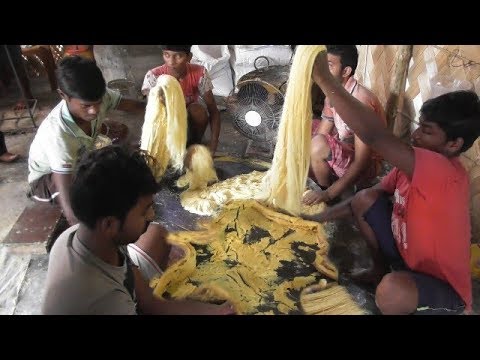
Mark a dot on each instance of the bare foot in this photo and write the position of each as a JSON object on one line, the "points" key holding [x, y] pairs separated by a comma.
{"points": [[8, 157]]}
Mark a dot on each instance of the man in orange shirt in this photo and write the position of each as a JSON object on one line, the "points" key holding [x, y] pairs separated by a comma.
{"points": [[197, 88], [424, 236]]}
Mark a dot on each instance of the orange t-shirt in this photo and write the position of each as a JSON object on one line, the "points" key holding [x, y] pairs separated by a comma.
{"points": [[431, 220]]}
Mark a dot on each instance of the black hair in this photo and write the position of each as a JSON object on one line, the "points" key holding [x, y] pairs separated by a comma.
{"points": [[178, 48], [80, 78], [348, 55], [457, 113], [109, 182]]}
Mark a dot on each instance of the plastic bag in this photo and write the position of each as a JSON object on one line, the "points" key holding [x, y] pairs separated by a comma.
{"points": [[215, 58], [442, 84]]}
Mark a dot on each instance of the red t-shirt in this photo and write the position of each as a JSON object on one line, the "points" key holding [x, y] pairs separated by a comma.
{"points": [[431, 220], [195, 83]]}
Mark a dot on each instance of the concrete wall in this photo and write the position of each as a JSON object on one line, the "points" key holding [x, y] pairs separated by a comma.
{"points": [[129, 62]]}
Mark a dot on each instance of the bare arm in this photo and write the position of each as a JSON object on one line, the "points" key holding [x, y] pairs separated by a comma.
{"points": [[363, 120], [214, 119], [131, 105], [362, 156], [62, 183], [339, 211], [149, 304], [154, 243]]}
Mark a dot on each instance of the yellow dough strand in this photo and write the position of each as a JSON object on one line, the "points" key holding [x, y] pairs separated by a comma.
{"points": [[331, 299], [285, 182], [199, 168], [164, 132]]}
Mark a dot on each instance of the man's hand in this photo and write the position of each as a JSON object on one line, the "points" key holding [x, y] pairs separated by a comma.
{"points": [[320, 68], [315, 197], [322, 217]]}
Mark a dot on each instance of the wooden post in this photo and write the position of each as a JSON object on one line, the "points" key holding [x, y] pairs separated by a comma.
{"points": [[395, 121]]}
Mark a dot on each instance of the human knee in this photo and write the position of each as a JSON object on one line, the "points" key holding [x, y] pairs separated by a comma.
{"points": [[396, 294], [319, 148], [198, 114], [363, 200]]}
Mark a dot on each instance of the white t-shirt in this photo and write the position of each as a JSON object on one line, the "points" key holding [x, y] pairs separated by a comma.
{"points": [[79, 283], [59, 140]]}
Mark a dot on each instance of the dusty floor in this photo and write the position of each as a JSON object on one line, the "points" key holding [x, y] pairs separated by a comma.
{"points": [[27, 263]]}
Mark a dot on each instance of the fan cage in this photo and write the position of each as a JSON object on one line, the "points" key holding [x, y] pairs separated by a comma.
{"points": [[259, 96]]}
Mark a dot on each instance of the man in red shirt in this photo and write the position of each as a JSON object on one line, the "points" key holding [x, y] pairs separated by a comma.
{"points": [[424, 238], [197, 89]]}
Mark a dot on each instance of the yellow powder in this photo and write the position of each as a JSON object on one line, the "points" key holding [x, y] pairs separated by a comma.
{"points": [[200, 170], [164, 132], [251, 255]]}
